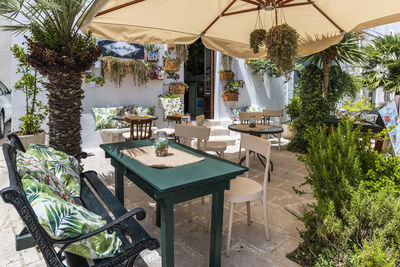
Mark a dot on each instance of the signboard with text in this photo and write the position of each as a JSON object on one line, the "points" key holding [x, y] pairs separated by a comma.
{"points": [[121, 49]]}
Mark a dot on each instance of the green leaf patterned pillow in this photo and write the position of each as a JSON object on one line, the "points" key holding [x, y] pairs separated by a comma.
{"points": [[30, 165], [66, 168], [62, 220], [104, 118]]}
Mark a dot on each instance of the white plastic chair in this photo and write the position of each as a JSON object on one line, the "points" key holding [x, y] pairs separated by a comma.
{"points": [[216, 146], [244, 189], [185, 133], [268, 113]]}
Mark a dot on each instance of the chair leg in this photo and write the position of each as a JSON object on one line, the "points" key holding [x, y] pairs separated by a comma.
{"points": [[222, 154], [265, 211], [248, 213], [279, 140], [228, 241]]}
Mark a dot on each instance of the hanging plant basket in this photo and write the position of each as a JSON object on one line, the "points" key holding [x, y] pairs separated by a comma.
{"points": [[258, 39], [177, 89], [282, 45], [231, 97], [172, 65], [226, 76]]}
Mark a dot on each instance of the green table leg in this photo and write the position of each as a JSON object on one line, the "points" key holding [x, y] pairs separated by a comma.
{"points": [[216, 229], [119, 185], [167, 233]]}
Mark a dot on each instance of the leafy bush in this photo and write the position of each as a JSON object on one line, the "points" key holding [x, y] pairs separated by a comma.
{"points": [[356, 218], [293, 108]]}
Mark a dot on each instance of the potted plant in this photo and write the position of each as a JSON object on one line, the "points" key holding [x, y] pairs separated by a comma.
{"points": [[93, 81], [225, 75], [168, 94], [178, 88], [155, 72], [35, 112], [293, 110], [151, 52], [171, 64], [258, 38], [231, 90]]}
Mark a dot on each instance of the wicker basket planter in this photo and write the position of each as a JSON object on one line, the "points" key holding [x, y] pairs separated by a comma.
{"points": [[231, 97], [226, 76], [177, 89], [172, 65]]}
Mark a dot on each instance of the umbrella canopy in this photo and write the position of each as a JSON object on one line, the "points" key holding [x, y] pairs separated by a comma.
{"points": [[225, 25]]}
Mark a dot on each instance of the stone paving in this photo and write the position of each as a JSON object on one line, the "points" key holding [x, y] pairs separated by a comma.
{"points": [[248, 244]]}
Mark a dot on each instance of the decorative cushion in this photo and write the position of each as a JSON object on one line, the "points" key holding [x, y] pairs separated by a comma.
{"points": [[171, 106], [30, 165], [235, 113], [253, 108], [144, 110], [104, 118], [66, 168], [62, 220]]}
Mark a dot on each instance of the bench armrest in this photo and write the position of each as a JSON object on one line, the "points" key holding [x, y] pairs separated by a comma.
{"points": [[117, 223], [80, 155]]}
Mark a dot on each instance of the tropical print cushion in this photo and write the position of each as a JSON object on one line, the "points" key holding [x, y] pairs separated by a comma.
{"points": [[171, 106], [253, 108], [30, 165], [105, 118], [235, 113], [66, 168], [62, 220], [144, 110]]}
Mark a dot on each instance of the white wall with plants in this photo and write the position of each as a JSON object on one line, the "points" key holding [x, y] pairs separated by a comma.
{"points": [[5, 56]]}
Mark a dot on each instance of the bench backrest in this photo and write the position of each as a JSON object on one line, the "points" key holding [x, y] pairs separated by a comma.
{"points": [[15, 195]]}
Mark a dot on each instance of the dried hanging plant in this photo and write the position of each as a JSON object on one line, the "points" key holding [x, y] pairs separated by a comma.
{"points": [[281, 46], [257, 40], [116, 69], [182, 52]]}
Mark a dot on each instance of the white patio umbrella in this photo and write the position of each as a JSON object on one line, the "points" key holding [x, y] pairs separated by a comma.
{"points": [[225, 25]]}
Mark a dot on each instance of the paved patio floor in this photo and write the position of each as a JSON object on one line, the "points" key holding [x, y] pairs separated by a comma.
{"points": [[248, 244]]}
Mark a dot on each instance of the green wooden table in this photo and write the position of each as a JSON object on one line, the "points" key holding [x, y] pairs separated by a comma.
{"points": [[174, 185]]}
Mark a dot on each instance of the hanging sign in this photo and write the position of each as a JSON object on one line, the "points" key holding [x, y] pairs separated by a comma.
{"points": [[390, 117], [121, 49]]}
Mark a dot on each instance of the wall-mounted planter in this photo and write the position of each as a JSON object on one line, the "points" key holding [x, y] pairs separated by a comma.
{"points": [[172, 65], [177, 89], [226, 76], [152, 56], [161, 75], [231, 97]]}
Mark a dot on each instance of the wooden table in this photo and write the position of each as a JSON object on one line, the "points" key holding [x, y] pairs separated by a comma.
{"points": [[174, 185]]}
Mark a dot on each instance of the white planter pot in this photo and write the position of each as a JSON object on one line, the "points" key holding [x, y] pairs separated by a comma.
{"points": [[39, 138], [289, 131], [92, 84]]}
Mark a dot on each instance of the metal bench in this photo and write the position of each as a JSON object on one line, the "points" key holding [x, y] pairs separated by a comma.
{"points": [[134, 238]]}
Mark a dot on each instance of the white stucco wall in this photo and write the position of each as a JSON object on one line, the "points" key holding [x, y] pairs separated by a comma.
{"points": [[5, 55], [269, 93]]}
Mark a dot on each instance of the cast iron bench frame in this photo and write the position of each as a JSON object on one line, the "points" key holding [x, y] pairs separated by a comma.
{"points": [[33, 234]]}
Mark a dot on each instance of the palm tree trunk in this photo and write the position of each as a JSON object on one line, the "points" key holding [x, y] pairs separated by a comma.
{"points": [[326, 80], [65, 109]]}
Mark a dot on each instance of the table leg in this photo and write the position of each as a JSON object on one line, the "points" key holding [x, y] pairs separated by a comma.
{"points": [[158, 214], [216, 229], [167, 233], [119, 185]]}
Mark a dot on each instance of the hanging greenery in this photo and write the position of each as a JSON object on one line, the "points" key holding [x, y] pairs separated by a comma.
{"points": [[182, 52], [258, 39], [281, 45], [116, 69]]}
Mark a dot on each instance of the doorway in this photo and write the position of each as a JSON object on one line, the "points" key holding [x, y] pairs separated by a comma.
{"points": [[199, 75]]}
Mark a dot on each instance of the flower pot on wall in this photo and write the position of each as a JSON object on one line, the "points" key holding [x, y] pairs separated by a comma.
{"points": [[152, 56], [231, 97], [226, 76], [177, 89], [172, 65], [289, 131], [161, 75], [26, 140]]}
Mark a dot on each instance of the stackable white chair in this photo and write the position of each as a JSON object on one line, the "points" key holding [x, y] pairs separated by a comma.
{"points": [[218, 147]]}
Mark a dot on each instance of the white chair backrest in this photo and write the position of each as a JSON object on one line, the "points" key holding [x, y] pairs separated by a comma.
{"points": [[200, 120], [185, 133], [274, 113], [260, 146], [244, 117]]}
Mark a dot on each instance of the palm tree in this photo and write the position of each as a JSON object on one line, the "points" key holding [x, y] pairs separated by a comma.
{"points": [[58, 51], [382, 68], [346, 51]]}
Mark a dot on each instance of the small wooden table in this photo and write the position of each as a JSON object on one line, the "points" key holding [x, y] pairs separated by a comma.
{"points": [[174, 185]]}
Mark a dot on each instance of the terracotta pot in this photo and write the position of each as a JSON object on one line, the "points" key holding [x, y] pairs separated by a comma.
{"points": [[226, 76], [231, 97], [26, 140], [172, 65], [289, 131], [177, 89]]}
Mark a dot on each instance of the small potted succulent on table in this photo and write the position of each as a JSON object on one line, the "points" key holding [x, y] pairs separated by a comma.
{"points": [[231, 90], [225, 75], [178, 88], [161, 144]]}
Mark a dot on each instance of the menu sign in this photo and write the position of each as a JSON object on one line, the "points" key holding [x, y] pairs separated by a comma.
{"points": [[121, 49], [390, 117]]}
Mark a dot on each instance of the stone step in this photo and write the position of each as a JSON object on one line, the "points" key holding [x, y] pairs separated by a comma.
{"points": [[210, 123], [230, 141], [219, 130]]}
